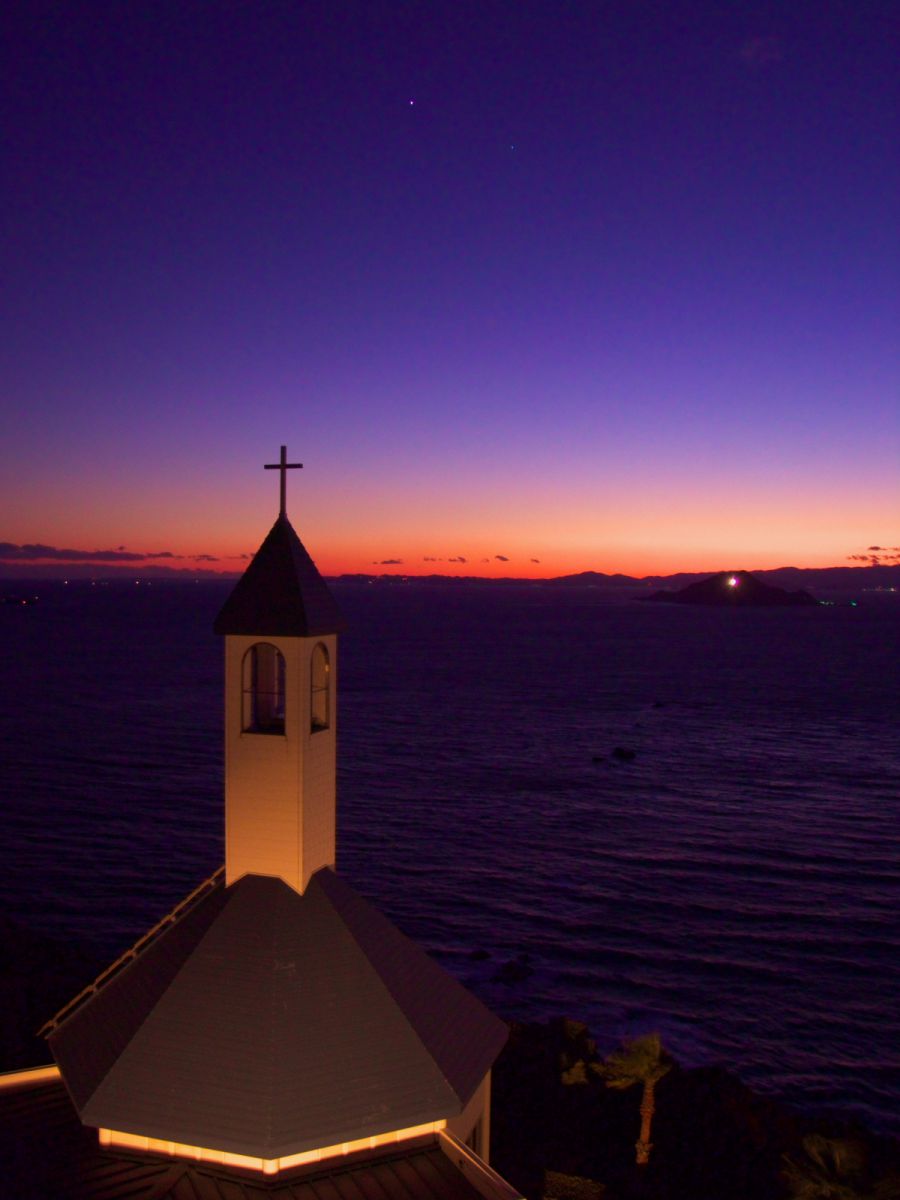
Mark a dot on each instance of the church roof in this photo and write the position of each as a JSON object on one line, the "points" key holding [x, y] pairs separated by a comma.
{"points": [[47, 1152], [266, 1023], [281, 593]]}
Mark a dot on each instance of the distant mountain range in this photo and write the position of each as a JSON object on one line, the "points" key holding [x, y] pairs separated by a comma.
{"points": [[818, 580], [813, 579]]}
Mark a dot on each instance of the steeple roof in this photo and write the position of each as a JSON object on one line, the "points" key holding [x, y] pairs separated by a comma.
{"points": [[267, 1023], [281, 594]]}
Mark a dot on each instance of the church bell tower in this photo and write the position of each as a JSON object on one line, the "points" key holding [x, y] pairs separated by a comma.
{"points": [[280, 626], [280, 1023]]}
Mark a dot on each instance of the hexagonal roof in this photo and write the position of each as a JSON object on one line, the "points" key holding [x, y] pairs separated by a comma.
{"points": [[266, 1023]]}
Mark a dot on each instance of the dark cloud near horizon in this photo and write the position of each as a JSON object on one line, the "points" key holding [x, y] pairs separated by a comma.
{"points": [[885, 556], [459, 559], [38, 552], [537, 560], [388, 562], [501, 558], [34, 552]]}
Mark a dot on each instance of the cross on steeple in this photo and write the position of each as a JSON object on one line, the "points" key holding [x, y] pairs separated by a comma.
{"points": [[283, 466]]}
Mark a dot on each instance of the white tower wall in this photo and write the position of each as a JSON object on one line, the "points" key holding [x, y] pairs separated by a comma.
{"points": [[280, 789]]}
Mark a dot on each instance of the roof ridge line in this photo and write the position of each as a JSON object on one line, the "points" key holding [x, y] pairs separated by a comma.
{"points": [[133, 953], [401, 1007], [382, 982]]}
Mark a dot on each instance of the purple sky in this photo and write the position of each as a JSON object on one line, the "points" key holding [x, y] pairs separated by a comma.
{"points": [[612, 286]]}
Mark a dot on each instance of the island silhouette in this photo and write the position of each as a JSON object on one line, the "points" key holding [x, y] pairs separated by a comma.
{"points": [[734, 589]]}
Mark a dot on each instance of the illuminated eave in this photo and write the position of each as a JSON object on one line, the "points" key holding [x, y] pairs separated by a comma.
{"points": [[29, 1075], [266, 1166]]}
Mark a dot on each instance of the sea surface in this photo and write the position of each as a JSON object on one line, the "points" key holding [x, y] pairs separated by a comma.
{"points": [[735, 885]]}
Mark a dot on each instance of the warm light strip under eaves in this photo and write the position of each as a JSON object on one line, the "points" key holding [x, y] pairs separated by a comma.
{"points": [[268, 1166], [29, 1075]]}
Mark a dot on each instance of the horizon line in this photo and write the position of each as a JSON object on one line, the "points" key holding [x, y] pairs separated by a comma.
{"points": [[81, 571]]}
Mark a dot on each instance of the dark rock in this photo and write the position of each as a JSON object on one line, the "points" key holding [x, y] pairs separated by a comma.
{"points": [[516, 970], [623, 754], [558, 1186]]}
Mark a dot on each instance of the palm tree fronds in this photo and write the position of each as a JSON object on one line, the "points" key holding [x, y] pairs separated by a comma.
{"points": [[639, 1060]]}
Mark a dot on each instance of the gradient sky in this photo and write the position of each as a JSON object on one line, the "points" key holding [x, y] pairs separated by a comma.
{"points": [[607, 285]]}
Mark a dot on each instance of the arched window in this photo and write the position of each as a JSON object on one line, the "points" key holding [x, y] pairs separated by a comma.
{"points": [[319, 707], [263, 687]]}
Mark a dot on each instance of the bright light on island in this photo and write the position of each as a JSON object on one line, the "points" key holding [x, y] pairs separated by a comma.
{"points": [[733, 581]]}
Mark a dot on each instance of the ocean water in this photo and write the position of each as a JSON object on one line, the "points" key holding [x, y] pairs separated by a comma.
{"points": [[735, 885]]}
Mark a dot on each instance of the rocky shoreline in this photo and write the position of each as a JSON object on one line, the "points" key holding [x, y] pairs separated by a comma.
{"points": [[713, 1137]]}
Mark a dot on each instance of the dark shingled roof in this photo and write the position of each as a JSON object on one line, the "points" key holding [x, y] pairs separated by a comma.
{"points": [[281, 594], [267, 1023], [46, 1154]]}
